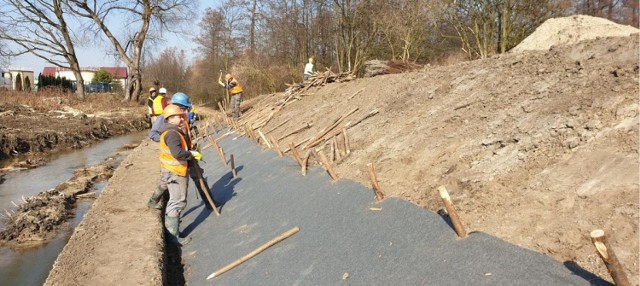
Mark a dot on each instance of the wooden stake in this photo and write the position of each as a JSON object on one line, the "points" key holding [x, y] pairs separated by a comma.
{"points": [[233, 167], [457, 225], [374, 182], [305, 161], [337, 147], [254, 253], [203, 185], [327, 166], [333, 150], [222, 156], [274, 128], [295, 153], [264, 139], [276, 146], [346, 142], [308, 125], [609, 257]]}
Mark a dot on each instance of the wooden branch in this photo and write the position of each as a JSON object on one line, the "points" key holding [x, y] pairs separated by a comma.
{"points": [[609, 257], [276, 146], [264, 139], [451, 210], [280, 124], [374, 182], [222, 156], [305, 162], [308, 125], [295, 153], [356, 93], [321, 134], [298, 144], [327, 166], [346, 142], [254, 253]]}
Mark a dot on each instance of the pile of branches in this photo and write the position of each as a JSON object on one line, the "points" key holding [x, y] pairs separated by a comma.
{"points": [[318, 80], [377, 67]]}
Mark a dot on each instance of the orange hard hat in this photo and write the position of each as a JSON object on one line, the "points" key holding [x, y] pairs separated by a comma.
{"points": [[228, 77], [171, 110]]}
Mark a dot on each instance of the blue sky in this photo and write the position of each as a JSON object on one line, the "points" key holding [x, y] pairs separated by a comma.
{"points": [[96, 57]]}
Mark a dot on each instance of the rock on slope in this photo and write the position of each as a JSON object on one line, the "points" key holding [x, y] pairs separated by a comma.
{"points": [[538, 148]]}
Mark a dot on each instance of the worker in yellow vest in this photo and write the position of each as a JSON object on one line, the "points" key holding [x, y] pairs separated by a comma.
{"points": [[235, 91], [174, 165], [156, 103]]}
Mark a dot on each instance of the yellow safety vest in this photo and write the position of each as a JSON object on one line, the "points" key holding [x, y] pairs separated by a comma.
{"points": [[167, 160], [157, 105], [236, 89]]}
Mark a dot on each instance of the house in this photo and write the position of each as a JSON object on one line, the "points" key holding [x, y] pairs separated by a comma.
{"points": [[119, 74], [18, 79]]}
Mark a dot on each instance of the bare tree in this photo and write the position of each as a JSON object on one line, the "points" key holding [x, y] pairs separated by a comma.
{"points": [[170, 69], [39, 27], [143, 17]]}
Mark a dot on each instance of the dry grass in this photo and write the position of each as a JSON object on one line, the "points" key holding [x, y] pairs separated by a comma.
{"points": [[46, 100]]}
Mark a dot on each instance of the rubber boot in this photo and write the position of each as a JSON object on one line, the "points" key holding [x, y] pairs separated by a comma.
{"points": [[172, 224], [155, 202]]}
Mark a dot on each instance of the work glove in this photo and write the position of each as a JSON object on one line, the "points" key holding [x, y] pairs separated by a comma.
{"points": [[196, 155]]}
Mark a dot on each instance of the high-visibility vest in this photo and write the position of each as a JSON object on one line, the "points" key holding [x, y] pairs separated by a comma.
{"points": [[167, 161], [236, 89], [157, 105]]}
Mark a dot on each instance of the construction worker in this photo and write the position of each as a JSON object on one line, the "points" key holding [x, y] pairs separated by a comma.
{"points": [[235, 91], [182, 101], [156, 103], [174, 158], [309, 70]]}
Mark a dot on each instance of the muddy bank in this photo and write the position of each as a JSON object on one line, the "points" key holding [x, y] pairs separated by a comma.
{"points": [[39, 218], [29, 132]]}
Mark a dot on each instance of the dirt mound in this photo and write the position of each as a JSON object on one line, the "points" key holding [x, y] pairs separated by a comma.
{"points": [[537, 148], [570, 30]]}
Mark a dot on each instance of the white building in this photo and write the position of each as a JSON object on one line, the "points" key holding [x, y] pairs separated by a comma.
{"points": [[119, 74], [18, 79]]}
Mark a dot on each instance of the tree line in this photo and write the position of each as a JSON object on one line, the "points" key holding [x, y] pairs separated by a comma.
{"points": [[266, 43]]}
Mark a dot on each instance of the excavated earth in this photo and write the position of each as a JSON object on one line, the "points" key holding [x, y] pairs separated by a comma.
{"points": [[538, 147]]}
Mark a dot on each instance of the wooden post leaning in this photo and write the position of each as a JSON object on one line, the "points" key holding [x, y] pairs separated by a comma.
{"points": [[609, 257], [222, 156], [295, 153], [233, 167], [305, 161], [254, 253], [347, 148], [455, 219], [374, 182], [276, 146], [265, 139], [327, 166], [203, 185]]}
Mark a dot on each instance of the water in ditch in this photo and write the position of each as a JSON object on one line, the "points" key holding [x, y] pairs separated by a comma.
{"points": [[31, 267]]}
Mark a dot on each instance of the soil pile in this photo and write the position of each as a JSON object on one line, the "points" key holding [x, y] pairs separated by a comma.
{"points": [[571, 30], [537, 148]]}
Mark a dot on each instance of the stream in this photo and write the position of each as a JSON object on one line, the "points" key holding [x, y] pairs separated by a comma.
{"points": [[32, 266]]}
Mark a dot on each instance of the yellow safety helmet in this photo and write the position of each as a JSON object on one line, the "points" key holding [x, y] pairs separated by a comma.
{"points": [[171, 110]]}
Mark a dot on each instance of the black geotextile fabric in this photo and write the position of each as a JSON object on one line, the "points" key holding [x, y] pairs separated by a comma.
{"points": [[345, 237]]}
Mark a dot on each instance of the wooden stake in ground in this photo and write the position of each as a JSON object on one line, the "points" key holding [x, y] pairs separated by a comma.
{"points": [[203, 185], [374, 182], [609, 257], [233, 167], [222, 156], [295, 153], [457, 225], [264, 139], [276, 146], [255, 252], [327, 166], [347, 149], [305, 161]]}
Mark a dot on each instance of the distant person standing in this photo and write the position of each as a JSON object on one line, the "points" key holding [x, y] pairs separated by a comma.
{"points": [[156, 103], [235, 91], [309, 70]]}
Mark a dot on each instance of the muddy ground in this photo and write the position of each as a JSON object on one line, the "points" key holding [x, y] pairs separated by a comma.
{"points": [[538, 148]]}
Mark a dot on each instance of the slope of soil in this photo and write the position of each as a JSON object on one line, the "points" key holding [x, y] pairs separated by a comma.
{"points": [[538, 148]]}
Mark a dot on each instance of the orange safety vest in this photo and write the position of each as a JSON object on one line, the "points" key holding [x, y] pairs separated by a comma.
{"points": [[236, 89], [167, 160], [157, 106]]}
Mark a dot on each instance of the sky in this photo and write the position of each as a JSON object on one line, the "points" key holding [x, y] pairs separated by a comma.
{"points": [[96, 56]]}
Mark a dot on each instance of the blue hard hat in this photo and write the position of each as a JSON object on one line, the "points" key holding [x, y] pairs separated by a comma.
{"points": [[181, 98]]}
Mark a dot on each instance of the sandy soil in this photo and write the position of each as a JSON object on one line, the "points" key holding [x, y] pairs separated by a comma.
{"points": [[538, 148]]}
